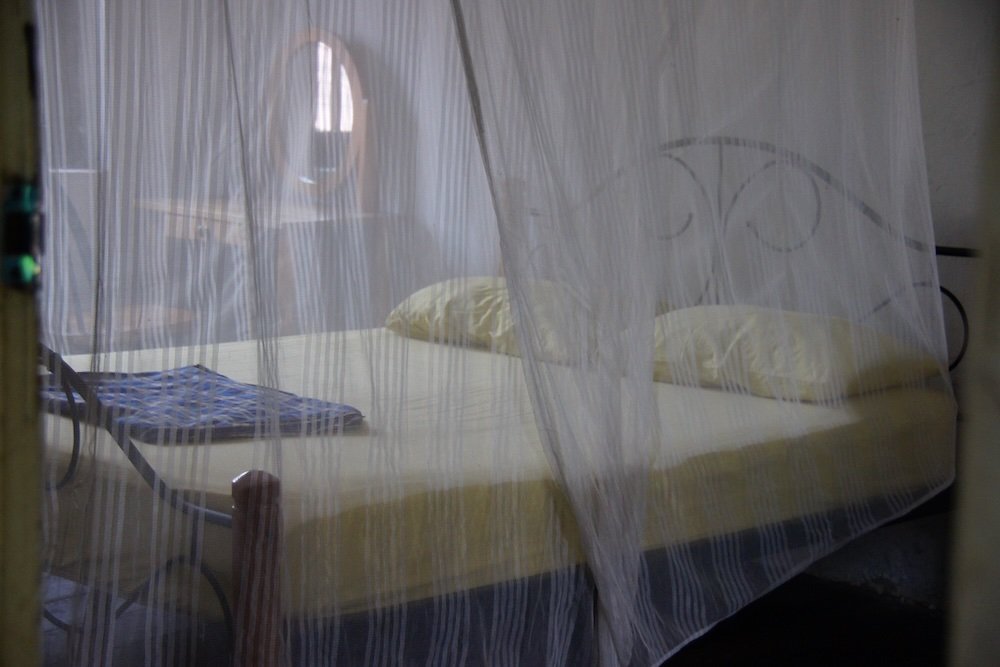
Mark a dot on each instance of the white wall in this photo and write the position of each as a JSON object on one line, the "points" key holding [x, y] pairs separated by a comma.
{"points": [[956, 44], [432, 181], [957, 49]]}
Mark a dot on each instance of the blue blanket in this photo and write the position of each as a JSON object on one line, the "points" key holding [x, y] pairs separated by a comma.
{"points": [[195, 404]]}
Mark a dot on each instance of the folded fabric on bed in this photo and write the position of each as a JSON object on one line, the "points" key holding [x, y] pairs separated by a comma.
{"points": [[195, 404]]}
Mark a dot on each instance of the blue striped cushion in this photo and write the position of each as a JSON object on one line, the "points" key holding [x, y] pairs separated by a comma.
{"points": [[195, 404]]}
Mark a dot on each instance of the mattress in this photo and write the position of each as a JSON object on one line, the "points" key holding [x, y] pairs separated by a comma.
{"points": [[455, 459]]}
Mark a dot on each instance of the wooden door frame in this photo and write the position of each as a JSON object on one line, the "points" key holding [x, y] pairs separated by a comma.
{"points": [[20, 453]]}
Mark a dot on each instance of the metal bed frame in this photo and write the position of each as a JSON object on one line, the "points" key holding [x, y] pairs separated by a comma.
{"points": [[260, 485]]}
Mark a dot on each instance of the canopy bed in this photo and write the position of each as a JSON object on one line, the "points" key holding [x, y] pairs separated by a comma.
{"points": [[715, 352]]}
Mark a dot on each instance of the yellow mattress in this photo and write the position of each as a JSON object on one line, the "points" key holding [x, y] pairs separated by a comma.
{"points": [[448, 487]]}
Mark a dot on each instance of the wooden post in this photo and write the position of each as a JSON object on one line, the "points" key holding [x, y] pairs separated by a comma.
{"points": [[257, 548]]}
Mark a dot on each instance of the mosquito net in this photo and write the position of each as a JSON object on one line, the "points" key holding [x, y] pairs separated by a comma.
{"points": [[545, 332]]}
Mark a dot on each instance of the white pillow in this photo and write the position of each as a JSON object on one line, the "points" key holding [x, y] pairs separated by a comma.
{"points": [[781, 354]]}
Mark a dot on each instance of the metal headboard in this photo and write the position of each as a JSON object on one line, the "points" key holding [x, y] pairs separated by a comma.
{"points": [[781, 156], [723, 203]]}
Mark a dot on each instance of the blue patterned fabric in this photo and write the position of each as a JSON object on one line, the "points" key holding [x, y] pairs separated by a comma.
{"points": [[195, 404]]}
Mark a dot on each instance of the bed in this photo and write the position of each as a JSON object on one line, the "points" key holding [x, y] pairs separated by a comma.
{"points": [[754, 460], [906, 430]]}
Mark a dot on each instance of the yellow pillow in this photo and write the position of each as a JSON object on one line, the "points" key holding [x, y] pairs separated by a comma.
{"points": [[462, 311], [476, 312], [781, 354]]}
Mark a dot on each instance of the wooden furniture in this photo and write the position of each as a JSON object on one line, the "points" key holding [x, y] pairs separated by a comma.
{"points": [[323, 165], [257, 543], [342, 114], [314, 250]]}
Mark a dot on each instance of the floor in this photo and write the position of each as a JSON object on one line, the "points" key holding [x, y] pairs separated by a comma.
{"points": [[808, 622], [811, 622], [130, 644]]}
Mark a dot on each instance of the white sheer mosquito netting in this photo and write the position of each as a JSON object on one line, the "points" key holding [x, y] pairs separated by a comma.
{"points": [[596, 321]]}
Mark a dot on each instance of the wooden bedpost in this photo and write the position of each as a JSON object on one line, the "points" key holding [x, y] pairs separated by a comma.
{"points": [[257, 550]]}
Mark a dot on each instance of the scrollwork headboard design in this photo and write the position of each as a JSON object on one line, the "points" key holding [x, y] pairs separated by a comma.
{"points": [[729, 175], [722, 171], [774, 156], [713, 198]]}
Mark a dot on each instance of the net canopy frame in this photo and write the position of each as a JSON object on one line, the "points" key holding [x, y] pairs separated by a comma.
{"points": [[479, 333]]}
